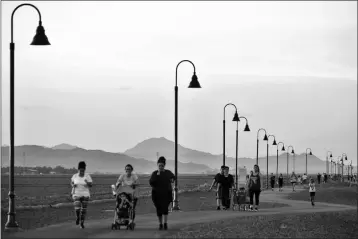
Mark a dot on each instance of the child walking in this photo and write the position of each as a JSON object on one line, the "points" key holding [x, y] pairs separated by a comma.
{"points": [[312, 190]]}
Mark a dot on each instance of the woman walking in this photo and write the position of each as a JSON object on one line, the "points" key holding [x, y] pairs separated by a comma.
{"points": [[129, 179], [293, 181], [81, 182], [280, 182], [255, 188], [161, 182]]}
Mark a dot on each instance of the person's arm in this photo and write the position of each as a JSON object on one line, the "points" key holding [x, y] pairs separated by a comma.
{"points": [[153, 179], [136, 181], [88, 180], [119, 180], [73, 181]]}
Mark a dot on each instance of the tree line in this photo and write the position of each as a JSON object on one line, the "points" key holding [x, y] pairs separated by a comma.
{"points": [[40, 170]]}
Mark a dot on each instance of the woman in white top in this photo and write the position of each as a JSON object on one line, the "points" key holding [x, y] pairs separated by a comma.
{"points": [[81, 182], [312, 190], [129, 179]]}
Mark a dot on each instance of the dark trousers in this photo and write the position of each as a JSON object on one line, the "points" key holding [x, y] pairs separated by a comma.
{"points": [[257, 197]]}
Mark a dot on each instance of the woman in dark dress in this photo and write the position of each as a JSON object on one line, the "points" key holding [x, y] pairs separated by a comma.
{"points": [[162, 195], [255, 188]]}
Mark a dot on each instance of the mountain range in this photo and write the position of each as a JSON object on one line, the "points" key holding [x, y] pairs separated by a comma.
{"points": [[143, 157]]}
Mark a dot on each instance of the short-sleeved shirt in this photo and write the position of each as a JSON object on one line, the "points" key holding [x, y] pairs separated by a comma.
{"points": [[226, 181], [273, 178], [161, 182], [280, 179], [81, 189], [124, 180], [312, 187]]}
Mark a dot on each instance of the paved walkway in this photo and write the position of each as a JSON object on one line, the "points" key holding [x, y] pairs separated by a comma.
{"points": [[146, 225]]}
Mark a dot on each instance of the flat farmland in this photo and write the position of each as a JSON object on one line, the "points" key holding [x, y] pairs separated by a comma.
{"points": [[33, 190]]}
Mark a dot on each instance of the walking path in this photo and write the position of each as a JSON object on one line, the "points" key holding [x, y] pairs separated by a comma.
{"points": [[147, 224]]}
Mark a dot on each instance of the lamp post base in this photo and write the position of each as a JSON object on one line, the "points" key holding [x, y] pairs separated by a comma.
{"points": [[11, 224]]}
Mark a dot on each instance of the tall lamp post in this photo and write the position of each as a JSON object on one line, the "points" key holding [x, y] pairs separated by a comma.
{"points": [[292, 152], [267, 174], [343, 158], [306, 157], [327, 161], [237, 119], [247, 129], [257, 147], [283, 149], [193, 84], [39, 39]]}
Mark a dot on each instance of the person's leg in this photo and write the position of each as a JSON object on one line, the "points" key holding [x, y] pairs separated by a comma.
{"points": [[257, 199], [77, 206], [217, 201], [251, 193], [84, 204]]}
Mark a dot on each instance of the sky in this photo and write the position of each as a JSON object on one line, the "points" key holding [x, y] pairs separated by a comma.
{"points": [[107, 79]]}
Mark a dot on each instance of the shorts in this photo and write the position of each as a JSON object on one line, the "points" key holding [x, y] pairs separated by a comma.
{"points": [[312, 194]]}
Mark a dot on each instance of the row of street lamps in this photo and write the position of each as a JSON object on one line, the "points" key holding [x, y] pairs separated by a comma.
{"points": [[335, 164]]}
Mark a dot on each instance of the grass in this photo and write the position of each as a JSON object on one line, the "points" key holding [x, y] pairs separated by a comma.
{"points": [[338, 193], [312, 225], [189, 201]]}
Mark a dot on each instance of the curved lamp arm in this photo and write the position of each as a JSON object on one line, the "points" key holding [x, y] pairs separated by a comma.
{"points": [[309, 149], [241, 117], [259, 132], [288, 151], [12, 17], [344, 155], [227, 105], [283, 145], [268, 138], [176, 71], [327, 153]]}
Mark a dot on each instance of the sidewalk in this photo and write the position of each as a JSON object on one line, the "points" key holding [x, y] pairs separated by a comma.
{"points": [[146, 225]]}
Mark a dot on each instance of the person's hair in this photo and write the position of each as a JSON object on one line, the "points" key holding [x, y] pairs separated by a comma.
{"points": [[223, 167], [312, 180], [129, 166], [82, 164], [161, 160], [258, 168]]}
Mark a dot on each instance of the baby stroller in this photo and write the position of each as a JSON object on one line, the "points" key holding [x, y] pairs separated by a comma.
{"points": [[240, 200], [125, 208]]}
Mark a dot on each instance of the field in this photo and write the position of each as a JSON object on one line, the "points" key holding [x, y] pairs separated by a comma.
{"points": [[314, 225]]}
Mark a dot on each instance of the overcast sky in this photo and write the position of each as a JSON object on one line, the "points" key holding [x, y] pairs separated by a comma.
{"points": [[107, 80]]}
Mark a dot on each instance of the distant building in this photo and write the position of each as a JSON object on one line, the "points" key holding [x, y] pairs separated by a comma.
{"points": [[52, 172]]}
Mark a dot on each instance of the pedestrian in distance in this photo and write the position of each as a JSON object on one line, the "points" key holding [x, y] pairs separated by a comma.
{"points": [[272, 181], [81, 182], [255, 185], [293, 180], [312, 191], [280, 182], [225, 186], [162, 193]]}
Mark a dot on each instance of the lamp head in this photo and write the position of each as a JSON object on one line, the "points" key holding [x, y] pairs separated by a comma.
{"points": [[283, 148], [236, 117], [194, 83], [247, 129], [265, 138], [310, 152], [274, 142], [346, 158], [292, 151], [330, 156], [40, 39]]}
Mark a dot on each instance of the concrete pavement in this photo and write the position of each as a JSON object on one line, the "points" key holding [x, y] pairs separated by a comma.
{"points": [[147, 224]]}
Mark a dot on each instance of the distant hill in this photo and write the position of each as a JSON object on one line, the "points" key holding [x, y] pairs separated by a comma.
{"points": [[64, 146], [96, 160], [148, 149]]}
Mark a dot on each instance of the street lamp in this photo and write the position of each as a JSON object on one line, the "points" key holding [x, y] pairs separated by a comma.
{"points": [[193, 84], [327, 161], [283, 149], [288, 150], [257, 148], [343, 158], [274, 143], [306, 158], [237, 119], [39, 39], [247, 129]]}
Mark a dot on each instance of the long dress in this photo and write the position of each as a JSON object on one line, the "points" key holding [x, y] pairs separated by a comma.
{"points": [[162, 194]]}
